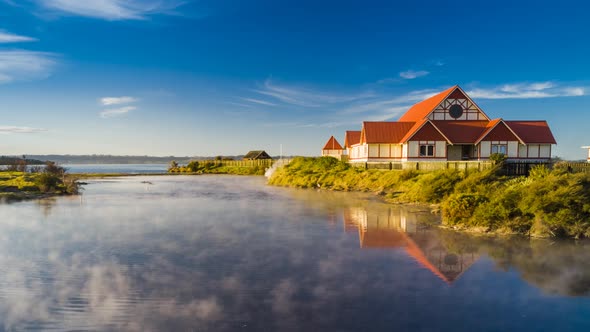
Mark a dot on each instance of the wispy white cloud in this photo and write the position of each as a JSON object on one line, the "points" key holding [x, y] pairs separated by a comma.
{"points": [[107, 101], [389, 80], [412, 74], [527, 91], [438, 63], [305, 97], [21, 65], [20, 130], [112, 10], [7, 37], [114, 112], [258, 101], [390, 105]]}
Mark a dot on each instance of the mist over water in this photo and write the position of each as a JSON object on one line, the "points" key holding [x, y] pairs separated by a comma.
{"points": [[227, 253]]}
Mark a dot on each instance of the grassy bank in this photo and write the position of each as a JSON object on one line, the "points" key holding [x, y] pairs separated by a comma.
{"points": [[22, 185], [209, 167], [545, 204]]}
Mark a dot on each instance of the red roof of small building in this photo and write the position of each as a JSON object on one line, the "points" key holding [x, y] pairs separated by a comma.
{"points": [[384, 132], [532, 131], [332, 144], [459, 132], [421, 110], [352, 137]]}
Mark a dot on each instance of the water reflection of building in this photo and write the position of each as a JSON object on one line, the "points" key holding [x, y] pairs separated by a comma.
{"points": [[398, 228]]}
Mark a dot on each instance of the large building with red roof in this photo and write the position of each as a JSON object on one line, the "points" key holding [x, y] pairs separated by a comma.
{"points": [[448, 126]]}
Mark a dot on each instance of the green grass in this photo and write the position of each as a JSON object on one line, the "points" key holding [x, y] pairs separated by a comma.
{"points": [[207, 167], [30, 185], [18, 180], [548, 203]]}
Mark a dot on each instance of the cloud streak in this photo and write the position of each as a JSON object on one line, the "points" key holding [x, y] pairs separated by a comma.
{"points": [[259, 101], [412, 74], [20, 130], [304, 97], [527, 91], [112, 10], [7, 37], [115, 112], [21, 65], [108, 101]]}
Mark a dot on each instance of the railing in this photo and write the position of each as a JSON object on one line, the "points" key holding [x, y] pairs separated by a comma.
{"points": [[425, 165]]}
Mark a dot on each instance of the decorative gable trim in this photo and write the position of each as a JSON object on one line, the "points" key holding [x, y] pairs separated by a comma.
{"points": [[471, 109], [494, 124], [420, 125]]}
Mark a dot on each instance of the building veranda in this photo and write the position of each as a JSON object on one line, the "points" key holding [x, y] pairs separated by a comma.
{"points": [[448, 126]]}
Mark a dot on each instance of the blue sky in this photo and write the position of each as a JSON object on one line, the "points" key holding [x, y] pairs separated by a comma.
{"points": [[172, 77]]}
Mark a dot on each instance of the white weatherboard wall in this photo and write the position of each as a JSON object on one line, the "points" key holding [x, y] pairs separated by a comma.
{"points": [[396, 151], [384, 150], [441, 149], [413, 149], [485, 148], [545, 151], [512, 149], [373, 150], [533, 150], [522, 151]]}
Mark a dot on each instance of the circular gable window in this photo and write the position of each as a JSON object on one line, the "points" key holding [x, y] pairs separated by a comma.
{"points": [[455, 111]]}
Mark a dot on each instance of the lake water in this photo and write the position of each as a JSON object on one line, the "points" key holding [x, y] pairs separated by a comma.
{"points": [[117, 168], [226, 253]]}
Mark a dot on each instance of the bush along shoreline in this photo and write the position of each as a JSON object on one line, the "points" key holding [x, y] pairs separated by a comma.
{"points": [[547, 203], [211, 167], [38, 182]]}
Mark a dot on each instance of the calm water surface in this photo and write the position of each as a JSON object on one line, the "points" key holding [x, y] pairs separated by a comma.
{"points": [[117, 168], [224, 253]]}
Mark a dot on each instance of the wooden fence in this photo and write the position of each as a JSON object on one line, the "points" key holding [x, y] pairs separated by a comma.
{"points": [[426, 165], [573, 167]]}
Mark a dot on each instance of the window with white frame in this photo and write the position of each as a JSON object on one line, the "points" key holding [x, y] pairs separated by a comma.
{"points": [[500, 148], [426, 149]]}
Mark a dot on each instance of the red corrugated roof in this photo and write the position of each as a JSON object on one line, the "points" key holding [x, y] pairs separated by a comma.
{"points": [[459, 132], [332, 144], [421, 110], [532, 131], [384, 132], [352, 137]]}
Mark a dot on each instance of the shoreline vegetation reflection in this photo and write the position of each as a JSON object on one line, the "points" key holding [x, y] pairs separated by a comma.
{"points": [[166, 253]]}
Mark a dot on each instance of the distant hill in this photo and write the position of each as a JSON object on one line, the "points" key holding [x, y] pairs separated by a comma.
{"points": [[110, 159], [15, 160]]}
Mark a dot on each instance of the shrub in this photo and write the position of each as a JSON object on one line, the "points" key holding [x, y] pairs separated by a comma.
{"points": [[498, 158], [431, 187], [47, 182], [460, 206]]}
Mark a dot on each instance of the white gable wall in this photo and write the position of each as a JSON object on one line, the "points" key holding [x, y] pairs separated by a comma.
{"points": [[470, 110]]}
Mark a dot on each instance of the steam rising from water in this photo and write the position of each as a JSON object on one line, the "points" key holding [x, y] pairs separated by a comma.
{"points": [[226, 253]]}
